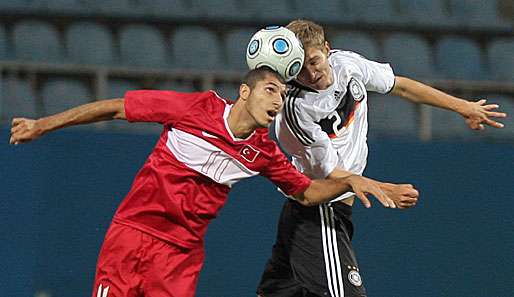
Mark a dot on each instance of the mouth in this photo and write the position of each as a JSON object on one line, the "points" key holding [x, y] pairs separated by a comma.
{"points": [[272, 113]]}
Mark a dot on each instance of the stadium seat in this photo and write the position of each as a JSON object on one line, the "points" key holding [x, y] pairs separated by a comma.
{"points": [[235, 48], [118, 87], [423, 12], [3, 44], [501, 59], [228, 91], [89, 43], [459, 58], [179, 86], [370, 11], [66, 6], [37, 41], [330, 11], [361, 43], [108, 7], [18, 99], [15, 5], [476, 14], [196, 48], [60, 94], [218, 9], [414, 60], [161, 8], [142, 45], [450, 125], [391, 116], [268, 11]]}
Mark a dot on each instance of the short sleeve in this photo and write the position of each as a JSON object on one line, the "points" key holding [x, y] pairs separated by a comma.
{"points": [[165, 107], [377, 77], [282, 173]]}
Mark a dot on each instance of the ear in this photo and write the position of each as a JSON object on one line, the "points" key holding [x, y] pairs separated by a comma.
{"points": [[244, 91], [326, 48]]}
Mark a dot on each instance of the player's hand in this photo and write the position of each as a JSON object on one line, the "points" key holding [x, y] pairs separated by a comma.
{"points": [[24, 130], [363, 186], [479, 113], [403, 195]]}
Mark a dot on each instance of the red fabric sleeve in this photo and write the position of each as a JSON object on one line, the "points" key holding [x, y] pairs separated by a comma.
{"points": [[283, 174], [165, 107]]}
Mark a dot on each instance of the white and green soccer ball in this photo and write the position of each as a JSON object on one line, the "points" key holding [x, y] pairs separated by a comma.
{"points": [[278, 48]]}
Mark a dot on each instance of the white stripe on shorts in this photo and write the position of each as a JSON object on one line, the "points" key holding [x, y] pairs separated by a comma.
{"points": [[331, 251]]}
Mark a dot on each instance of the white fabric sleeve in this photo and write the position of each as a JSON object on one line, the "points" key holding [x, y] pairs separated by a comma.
{"points": [[377, 77], [303, 139]]}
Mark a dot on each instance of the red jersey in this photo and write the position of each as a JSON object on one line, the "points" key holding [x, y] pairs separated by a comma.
{"points": [[186, 179]]}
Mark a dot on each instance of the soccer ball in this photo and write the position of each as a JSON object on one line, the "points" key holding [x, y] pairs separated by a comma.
{"points": [[278, 48]]}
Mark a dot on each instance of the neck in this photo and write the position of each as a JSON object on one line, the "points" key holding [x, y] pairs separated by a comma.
{"points": [[240, 122]]}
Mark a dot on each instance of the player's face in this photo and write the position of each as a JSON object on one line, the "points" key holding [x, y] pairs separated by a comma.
{"points": [[265, 100], [316, 72]]}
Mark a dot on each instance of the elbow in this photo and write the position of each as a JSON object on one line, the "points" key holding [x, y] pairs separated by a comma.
{"points": [[305, 200]]}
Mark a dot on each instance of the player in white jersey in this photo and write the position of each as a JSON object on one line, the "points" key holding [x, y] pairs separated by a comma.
{"points": [[323, 126]]}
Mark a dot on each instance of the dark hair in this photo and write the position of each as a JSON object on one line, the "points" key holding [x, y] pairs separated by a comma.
{"points": [[253, 76]]}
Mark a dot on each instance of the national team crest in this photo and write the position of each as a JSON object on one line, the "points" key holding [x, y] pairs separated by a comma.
{"points": [[355, 278], [356, 90], [249, 153]]}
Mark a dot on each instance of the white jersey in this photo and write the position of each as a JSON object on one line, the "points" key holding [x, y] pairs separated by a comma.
{"points": [[322, 130]]}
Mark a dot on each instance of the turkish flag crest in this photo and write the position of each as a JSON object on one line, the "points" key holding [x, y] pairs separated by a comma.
{"points": [[249, 153]]}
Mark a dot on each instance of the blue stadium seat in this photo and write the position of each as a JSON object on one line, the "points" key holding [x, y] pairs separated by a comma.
{"points": [[329, 11], [3, 44], [391, 116], [109, 7], [15, 5], [501, 58], [228, 91], [18, 99], [423, 12], [459, 58], [196, 48], [89, 43], [142, 45], [179, 86], [450, 125], [235, 48], [60, 94], [66, 6], [476, 14], [409, 55], [370, 11], [268, 11], [218, 9], [37, 41], [361, 43], [161, 8], [118, 87]]}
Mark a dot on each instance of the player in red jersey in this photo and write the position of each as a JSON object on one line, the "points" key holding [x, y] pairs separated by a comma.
{"points": [[154, 246]]}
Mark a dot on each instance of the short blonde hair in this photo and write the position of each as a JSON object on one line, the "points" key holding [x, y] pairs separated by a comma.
{"points": [[308, 32]]}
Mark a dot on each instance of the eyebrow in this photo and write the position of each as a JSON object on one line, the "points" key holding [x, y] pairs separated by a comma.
{"points": [[282, 93]]}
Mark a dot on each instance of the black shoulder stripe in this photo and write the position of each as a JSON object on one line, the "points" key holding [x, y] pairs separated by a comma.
{"points": [[292, 119]]}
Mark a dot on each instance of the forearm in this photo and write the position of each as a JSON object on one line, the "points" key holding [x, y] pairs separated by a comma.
{"points": [[420, 93], [321, 191], [88, 113]]}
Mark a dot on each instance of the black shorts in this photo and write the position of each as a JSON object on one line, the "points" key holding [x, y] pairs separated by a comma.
{"points": [[313, 255]]}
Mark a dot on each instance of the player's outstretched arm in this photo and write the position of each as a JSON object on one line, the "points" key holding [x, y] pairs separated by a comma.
{"points": [[403, 195], [476, 114], [25, 130], [321, 191]]}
